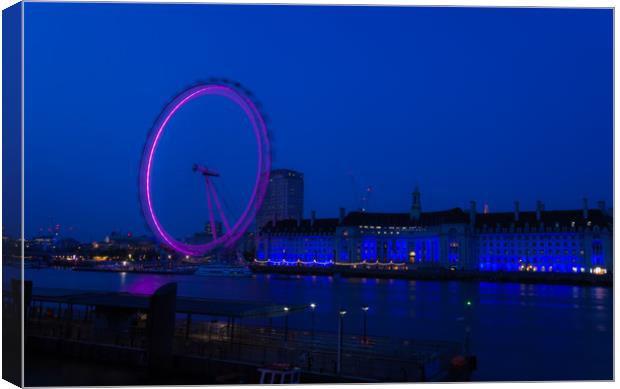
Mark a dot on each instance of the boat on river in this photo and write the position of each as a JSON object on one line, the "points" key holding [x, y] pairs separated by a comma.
{"points": [[223, 270], [128, 267]]}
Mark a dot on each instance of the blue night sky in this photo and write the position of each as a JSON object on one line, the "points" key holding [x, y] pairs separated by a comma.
{"points": [[492, 105]]}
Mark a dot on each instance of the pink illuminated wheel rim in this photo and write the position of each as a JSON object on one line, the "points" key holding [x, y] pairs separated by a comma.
{"points": [[241, 97]]}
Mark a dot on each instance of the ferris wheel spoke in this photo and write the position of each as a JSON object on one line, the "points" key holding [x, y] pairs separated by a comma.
{"points": [[211, 214], [234, 211], [218, 205]]}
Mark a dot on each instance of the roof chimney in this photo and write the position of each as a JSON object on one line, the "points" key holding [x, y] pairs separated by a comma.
{"points": [[312, 217], [539, 208], [472, 213], [585, 207], [602, 207], [341, 215], [516, 211]]}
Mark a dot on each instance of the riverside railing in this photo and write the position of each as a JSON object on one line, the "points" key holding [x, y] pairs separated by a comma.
{"points": [[376, 358]]}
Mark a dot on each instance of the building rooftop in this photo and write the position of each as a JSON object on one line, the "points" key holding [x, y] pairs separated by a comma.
{"points": [[285, 172], [560, 219], [454, 215], [321, 226], [192, 305]]}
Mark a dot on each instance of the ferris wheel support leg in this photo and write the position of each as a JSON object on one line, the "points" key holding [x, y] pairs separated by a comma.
{"points": [[211, 215], [218, 205]]}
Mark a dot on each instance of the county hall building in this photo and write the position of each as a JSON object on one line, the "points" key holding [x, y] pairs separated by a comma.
{"points": [[573, 241]]}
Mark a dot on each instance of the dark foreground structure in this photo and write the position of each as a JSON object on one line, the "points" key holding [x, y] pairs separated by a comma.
{"points": [[73, 336]]}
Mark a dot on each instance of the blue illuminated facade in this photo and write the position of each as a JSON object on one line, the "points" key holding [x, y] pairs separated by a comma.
{"points": [[298, 242], [395, 240], [530, 251], [574, 241]]}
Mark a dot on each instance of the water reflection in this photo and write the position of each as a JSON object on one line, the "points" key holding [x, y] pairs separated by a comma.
{"points": [[519, 332], [144, 284]]}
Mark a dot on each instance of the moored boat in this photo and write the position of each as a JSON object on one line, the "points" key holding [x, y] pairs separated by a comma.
{"points": [[223, 270]]}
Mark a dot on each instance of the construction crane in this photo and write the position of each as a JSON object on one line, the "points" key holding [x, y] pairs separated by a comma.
{"points": [[360, 200], [366, 198]]}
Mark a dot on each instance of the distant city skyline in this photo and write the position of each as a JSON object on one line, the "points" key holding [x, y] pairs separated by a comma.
{"points": [[484, 208], [463, 102]]}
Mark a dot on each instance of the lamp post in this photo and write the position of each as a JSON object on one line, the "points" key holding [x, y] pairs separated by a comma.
{"points": [[341, 314], [365, 310], [312, 310], [286, 309], [468, 305]]}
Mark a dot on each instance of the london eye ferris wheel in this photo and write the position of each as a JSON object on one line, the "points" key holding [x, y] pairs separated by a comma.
{"points": [[232, 229]]}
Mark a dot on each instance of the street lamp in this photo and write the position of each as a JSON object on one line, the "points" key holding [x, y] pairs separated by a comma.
{"points": [[286, 309], [468, 305], [341, 314], [365, 310], [312, 310]]}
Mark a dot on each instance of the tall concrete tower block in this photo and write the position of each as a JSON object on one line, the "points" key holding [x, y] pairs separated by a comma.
{"points": [[284, 199]]}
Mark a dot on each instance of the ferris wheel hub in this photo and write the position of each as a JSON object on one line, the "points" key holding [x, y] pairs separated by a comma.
{"points": [[204, 171]]}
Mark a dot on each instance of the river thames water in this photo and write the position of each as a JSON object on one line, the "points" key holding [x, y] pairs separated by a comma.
{"points": [[519, 331]]}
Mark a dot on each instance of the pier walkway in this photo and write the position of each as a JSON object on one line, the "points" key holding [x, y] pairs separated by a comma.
{"points": [[208, 329]]}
